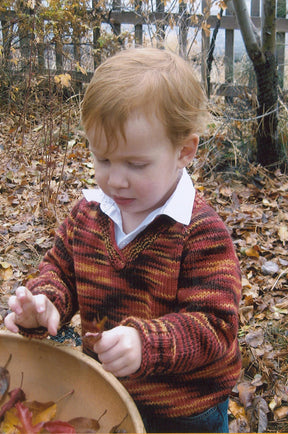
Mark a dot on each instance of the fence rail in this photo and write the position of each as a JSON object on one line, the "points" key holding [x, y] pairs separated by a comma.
{"points": [[14, 35]]}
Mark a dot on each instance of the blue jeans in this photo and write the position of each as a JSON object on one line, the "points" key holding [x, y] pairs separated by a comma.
{"points": [[213, 420]]}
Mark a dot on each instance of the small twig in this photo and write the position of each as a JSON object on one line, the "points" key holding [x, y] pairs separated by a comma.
{"points": [[66, 395], [101, 415], [115, 428], [279, 277], [8, 361], [22, 378]]}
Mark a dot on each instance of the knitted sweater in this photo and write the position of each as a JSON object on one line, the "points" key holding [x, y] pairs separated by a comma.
{"points": [[178, 285]]}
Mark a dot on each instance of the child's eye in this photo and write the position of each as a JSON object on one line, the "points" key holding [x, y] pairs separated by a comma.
{"points": [[103, 160], [135, 165]]}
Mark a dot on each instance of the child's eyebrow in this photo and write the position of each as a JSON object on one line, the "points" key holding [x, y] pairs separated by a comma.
{"points": [[136, 157], [129, 157]]}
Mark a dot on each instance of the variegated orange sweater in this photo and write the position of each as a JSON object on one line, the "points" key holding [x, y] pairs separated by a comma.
{"points": [[178, 285]]}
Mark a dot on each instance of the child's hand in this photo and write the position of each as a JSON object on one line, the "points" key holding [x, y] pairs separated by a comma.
{"points": [[120, 350], [31, 311]]}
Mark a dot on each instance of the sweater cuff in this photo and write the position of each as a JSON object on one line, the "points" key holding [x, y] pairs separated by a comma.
{"points": [[39, 332], [158, 349]]}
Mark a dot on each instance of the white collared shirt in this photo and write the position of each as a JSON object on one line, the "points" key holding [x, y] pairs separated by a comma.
{"points": [[179, 207]]}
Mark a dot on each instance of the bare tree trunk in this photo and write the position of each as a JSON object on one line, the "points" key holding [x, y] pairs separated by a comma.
{"points": [[268, 152], [261, 51]]}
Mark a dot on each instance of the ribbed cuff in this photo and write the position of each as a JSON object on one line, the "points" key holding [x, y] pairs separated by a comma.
{"points": [[39, 332]]}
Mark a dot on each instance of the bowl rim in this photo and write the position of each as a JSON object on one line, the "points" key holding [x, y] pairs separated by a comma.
{"points": [[109, 377]]}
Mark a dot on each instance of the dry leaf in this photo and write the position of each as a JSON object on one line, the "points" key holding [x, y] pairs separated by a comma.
{"points": [[42, 412], [4, 379], [16, 395], [255, 338], [281, 389], [236, 409], [58, 426], [246, 393], [283, 234], [261, 410], [225, 191], [276, 402], [25, 424], [239, 425], [281, 412], [85, 425], [63, 80], [246, 313], [252, 252], [6, 271], [9, 422]]}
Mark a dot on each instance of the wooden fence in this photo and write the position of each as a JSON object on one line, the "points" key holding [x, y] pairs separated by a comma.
{"points": [[18, 43]]}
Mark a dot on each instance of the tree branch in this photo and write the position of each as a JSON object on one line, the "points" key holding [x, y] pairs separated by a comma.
{"points": [[269, 27], [249, 32]]}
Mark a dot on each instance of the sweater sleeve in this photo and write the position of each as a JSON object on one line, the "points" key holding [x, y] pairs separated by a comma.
{"points": [[57, 278], [204, 327]]}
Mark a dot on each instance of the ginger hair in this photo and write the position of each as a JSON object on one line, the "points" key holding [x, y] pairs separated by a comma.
{"points": [[149, 80]]}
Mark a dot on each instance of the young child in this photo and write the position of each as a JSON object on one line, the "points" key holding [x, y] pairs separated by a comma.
{"points": [[145, 250]]}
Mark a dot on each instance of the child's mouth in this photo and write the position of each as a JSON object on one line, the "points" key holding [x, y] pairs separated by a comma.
{"points": [[123, 200]]}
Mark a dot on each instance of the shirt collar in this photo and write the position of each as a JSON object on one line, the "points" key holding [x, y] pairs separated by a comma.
{"points": [[179, 206]]}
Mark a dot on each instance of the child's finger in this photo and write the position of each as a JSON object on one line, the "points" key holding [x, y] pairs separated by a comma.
{"points": [[40, 303], [108, 340], [13, 303], [115, 366], [23, 294], [53, 321], [47, 314], [23, 298], [9, 322]]}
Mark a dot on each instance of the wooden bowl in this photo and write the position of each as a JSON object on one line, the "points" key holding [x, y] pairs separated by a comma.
{"points": [[51, 370]]}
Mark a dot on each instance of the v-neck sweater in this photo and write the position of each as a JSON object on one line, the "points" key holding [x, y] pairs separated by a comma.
{"points": [[178, 285]]}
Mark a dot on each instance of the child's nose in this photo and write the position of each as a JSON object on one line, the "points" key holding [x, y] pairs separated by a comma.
{"points": [[117, 178]]}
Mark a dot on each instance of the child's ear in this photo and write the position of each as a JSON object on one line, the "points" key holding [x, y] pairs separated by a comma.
{"points": [[188, 150]]}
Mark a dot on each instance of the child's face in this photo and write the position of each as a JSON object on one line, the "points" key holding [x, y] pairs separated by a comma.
{"points": [[141, 173]]}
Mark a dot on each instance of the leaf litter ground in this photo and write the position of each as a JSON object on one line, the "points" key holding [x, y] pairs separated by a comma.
{"points": [[39, 183]]}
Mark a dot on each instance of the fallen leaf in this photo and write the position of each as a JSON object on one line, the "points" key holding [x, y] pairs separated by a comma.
{"points": [[276, 402], [239, 425], [63, 80], [252, 252], [18, 227], [257, 380], [261, 409], [246, 313], [255, 338], [270, 267], [25, 425], [246, 393], [280, 413], [281, 390], [272, 204], [225, 191], [6, 271], [283, 234], [41, 412], [58, 426], [85, 425], [92, 337], [4, 379], [16, 395], [236, 409], [10, 421]]}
